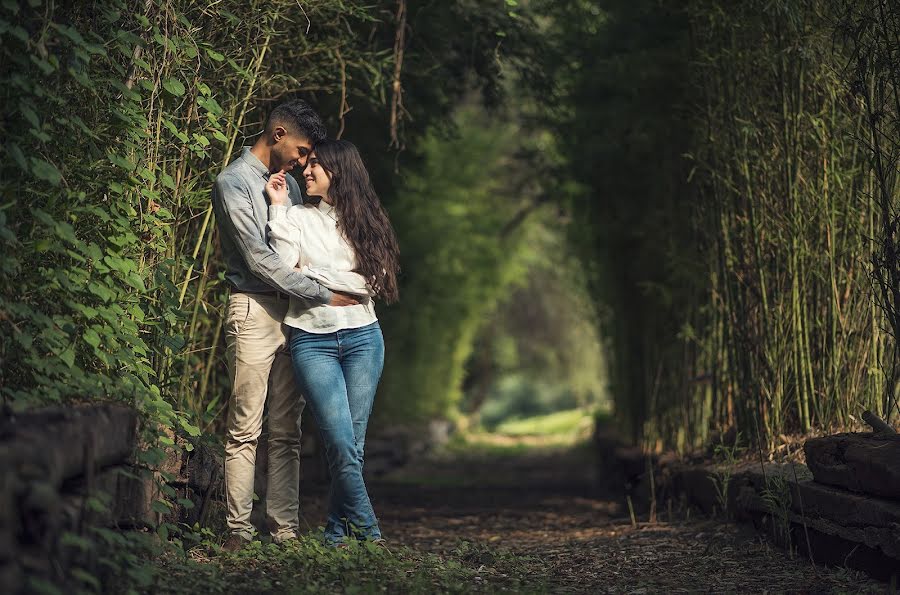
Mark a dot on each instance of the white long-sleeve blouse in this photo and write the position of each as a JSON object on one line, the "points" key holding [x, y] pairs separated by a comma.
{"points": [[307, 236]]}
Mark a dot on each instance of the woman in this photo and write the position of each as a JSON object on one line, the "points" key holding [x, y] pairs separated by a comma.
{"points": [[345, 241]]}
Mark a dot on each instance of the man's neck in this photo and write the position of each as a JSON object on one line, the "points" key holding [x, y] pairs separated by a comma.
{"points": [[261, 151]]}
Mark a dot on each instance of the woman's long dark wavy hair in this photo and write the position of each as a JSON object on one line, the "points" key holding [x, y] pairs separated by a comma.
{"points": [[361, 218]]}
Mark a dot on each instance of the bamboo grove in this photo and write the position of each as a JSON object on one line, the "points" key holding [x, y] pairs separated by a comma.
{"points": [[748, 166], [727, 174]]}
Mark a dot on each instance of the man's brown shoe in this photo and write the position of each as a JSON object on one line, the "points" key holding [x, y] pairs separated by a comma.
{"points": [[234, 544]]}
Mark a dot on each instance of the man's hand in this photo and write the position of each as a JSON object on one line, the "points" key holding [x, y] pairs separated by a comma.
{"points": [[277, 189], [343, 299]]}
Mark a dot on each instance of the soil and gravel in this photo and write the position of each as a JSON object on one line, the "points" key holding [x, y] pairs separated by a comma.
{"points": [[570, 531]]}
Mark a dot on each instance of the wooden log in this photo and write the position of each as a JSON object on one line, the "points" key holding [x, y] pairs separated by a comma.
{"points": [[853, 517], [864, 462], [127, 492], [57, 444], [42, 454], [838, 527], [879, 426]]}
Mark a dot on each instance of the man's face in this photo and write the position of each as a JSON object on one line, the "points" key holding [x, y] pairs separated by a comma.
{"points": [[289, 150]]}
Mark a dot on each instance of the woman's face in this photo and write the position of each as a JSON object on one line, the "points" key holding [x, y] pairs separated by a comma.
{"points": [[317, 181]]}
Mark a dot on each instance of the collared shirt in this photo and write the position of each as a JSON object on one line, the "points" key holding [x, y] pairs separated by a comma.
{"points": [[239, 200], [308, 236]]}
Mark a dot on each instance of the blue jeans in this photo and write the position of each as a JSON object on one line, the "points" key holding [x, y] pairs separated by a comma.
{"points": [[338, 373]]}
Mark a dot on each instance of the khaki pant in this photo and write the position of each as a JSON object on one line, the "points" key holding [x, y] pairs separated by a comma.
{"points": [[259, 363]]}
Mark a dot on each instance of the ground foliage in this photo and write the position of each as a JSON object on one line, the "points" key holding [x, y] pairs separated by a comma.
{"points": [[521, 520], [308, 566]]}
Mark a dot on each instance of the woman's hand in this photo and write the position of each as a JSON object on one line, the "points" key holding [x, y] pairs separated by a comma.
{"points": [[277, 189]]}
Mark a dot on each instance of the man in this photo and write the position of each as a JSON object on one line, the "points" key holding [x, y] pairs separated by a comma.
{"points": [[257, 343]]}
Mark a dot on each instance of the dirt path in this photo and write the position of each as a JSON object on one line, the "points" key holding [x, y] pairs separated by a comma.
{"points": [[571, 534]]}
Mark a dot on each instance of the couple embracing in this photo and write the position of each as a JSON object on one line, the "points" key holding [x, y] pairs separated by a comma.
{"points": [[300, 322]]}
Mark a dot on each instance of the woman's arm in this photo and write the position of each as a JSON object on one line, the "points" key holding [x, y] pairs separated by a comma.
{"points": [[284, 232], [283, 229]]}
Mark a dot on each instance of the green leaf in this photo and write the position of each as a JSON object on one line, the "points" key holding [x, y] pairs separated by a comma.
{"points": [[44, 217], [70, 539], [45, 170], [20, 34], [93, 252], [136, 312], [17, 155], [120, 161], [39, 134], [161, 506], [92, 338], [135, 281], [174, 86], [167, 181], [95, 504], [141, 575], [30, 115], [45, 66], [68, 356], [65, 231], [188, 427], [42, 586], [11, 6], [69, 32], [82, 78], [210, 105], [214, 55], [86, 578], [174, 342]]}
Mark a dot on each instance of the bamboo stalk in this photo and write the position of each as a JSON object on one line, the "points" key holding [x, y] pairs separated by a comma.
{"points": [[227, 157]]}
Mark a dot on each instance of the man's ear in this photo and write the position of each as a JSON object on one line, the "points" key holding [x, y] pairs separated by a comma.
{"points": [[279, 133]]}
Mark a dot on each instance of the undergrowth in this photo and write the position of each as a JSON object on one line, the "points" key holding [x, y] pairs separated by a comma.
{"points": [[307, 565]]}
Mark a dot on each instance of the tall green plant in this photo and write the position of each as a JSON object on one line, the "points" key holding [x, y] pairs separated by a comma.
{"points": [[726, 166]]}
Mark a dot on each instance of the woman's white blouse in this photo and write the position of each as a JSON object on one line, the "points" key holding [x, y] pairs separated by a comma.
{"points": [[307, 236]]}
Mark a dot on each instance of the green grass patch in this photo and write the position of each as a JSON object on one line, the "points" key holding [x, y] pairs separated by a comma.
{"points": [[573, 422], [308, 566]]}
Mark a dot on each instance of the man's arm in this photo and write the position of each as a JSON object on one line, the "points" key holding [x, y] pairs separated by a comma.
{"points": [[262, 261]]}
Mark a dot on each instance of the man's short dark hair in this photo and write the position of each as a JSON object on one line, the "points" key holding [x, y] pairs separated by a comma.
{"points": [[297, 117]]}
